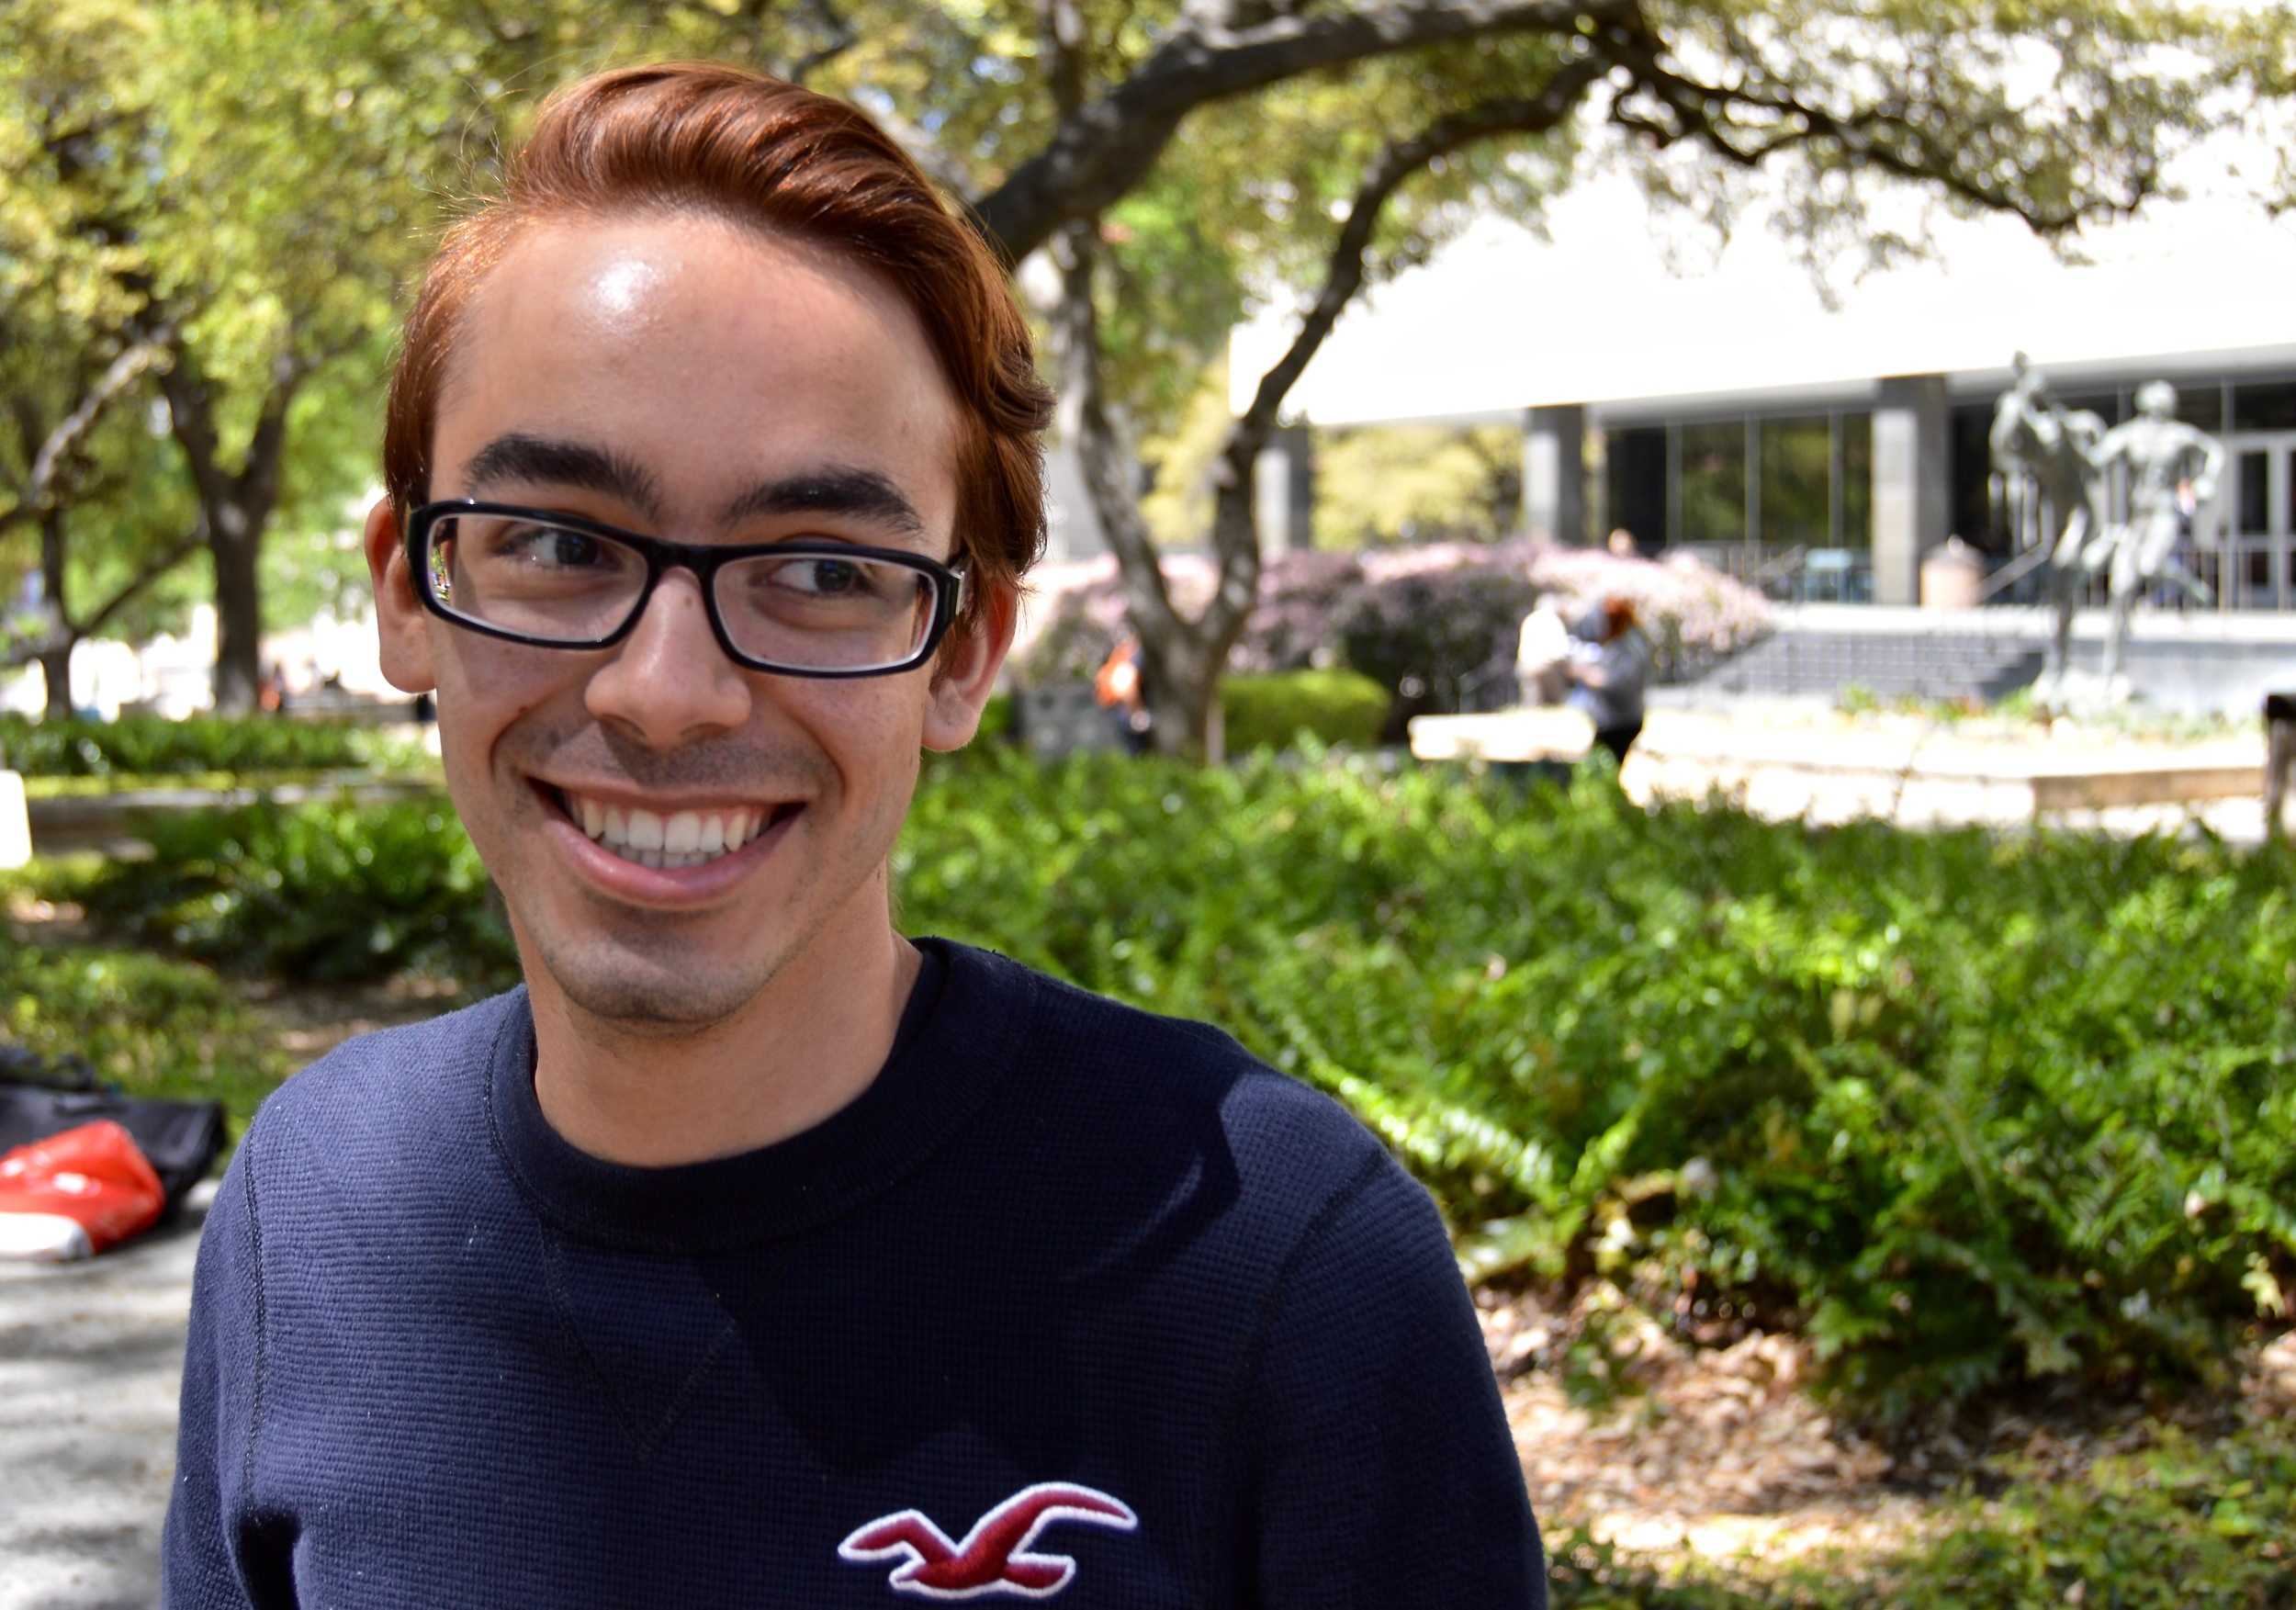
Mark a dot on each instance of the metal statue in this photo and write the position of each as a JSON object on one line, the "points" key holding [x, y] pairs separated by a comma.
{"points": [[2042, 456], [2056, 463]]}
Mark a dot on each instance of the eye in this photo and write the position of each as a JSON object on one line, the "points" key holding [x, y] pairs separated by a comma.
{"points": [[825, 577], [552, 547]]}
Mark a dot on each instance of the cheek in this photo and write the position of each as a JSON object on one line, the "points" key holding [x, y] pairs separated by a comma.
{"points": [[485, 687]]}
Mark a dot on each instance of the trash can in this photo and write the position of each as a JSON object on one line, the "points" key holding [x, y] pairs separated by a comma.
{"points": [[1952, 576]]}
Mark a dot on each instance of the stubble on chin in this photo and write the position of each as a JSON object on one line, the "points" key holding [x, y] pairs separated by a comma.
{"points": [[653, 985]]}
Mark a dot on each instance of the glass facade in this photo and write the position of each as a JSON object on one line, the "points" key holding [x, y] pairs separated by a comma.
{"points": [[1792, 494], [1796, 496], [1802, 480], [1713, 482], [1634, 480], [2264, 408]]}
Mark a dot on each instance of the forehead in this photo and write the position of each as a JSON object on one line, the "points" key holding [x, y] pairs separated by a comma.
{"points": [[708, 353]]}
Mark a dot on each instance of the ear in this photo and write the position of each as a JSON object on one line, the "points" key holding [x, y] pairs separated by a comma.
{"points": [[400, 618], [965, 673]]}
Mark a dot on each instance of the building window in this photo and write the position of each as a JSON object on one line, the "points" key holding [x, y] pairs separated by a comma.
{"points": [[1634, 473], [2202, 405], [1857, 480], [1714, 481], [1796, 482], [2264, 408]]}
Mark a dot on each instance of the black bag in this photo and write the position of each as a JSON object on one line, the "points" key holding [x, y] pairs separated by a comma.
{"points": [[41, 1097]]}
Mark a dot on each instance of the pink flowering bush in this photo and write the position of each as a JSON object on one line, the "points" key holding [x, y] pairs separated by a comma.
{"points": [[1426, 622]]}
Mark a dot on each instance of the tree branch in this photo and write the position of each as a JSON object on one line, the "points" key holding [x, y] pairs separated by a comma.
{"points": [[1873, 137], [62, 632], [44, 486], [1343, 268], [1104, 456], [841, 39], [1235, 521], [1103, 147]]}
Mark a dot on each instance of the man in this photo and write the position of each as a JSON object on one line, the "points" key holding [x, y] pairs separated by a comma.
{"points": [[752, 1254]]}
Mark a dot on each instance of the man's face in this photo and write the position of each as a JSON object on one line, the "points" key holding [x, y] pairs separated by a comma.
{"points": [[681, 378]]}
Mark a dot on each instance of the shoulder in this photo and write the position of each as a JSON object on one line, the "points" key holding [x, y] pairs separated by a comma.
{"points": [[389, 1093], [1133, 1085]]}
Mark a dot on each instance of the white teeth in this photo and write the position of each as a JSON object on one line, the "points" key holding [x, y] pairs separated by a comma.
{"points": [[680, 839]]}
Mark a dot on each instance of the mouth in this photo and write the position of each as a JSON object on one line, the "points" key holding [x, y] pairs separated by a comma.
{"points": [[668, 840]]}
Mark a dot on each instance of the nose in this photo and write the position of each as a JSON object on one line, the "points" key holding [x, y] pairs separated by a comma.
{"points": [[670, 683]]}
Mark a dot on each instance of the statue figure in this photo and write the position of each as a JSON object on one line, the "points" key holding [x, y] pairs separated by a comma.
{"points": [[2068, 458], [2037, 437], [2173, 470]]}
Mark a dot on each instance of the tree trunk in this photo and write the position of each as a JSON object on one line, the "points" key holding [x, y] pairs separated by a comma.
{"points": [[234, 506], [1184, 658], [233, 542], [55, 659]]}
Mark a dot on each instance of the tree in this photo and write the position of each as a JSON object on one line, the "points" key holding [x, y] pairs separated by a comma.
{"points": [[74, 454], [1948, 96], [1194, 158]]}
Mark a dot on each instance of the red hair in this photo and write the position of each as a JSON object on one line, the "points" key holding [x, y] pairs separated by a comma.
{"points": [[772, 156]]}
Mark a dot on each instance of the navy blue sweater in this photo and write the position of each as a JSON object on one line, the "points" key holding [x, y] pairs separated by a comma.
{"points": [[1073, 1302]]}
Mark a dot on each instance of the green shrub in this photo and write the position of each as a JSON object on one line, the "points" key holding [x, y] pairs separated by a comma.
{"points": [[1968, 1110], [155, 746], [1337, 708], [151, 1026], [329, 892]]}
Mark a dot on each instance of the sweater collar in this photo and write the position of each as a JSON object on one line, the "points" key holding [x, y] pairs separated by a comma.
{"points": [[964, 1020]]}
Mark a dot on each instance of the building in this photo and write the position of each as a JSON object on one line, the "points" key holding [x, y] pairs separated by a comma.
{"points": [[1827, 437]]}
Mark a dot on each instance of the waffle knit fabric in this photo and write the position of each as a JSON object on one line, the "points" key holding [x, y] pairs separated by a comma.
{"points": [[1072, 1303]]}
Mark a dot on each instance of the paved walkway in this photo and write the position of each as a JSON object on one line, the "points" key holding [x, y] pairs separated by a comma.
{"points": [[91, 1356]]}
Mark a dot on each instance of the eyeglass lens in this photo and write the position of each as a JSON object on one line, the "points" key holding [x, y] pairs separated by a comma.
{"points": [[558, 584]]}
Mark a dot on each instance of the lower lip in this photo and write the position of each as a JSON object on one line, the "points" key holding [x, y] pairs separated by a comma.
{"points": [[668, 885]]}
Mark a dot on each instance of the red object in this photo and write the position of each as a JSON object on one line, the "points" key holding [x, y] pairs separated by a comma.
{"points": [[94, 1174]]}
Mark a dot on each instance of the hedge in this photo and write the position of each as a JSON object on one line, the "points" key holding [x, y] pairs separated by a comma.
{"points": [[1336, 708], [1967, 1109], [155, 746]]}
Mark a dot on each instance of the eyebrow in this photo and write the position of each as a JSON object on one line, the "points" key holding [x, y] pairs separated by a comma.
{"points": [[835, 488], [831, 490], [544, 460]]}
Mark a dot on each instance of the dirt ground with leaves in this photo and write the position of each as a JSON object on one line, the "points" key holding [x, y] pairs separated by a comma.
{"points": [[1659, 1445]]}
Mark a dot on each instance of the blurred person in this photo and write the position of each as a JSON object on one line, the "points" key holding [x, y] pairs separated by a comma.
{"points": [[751, 1252], [1610, 670], [1120, 687], [1622, 543], [1542, 650]]}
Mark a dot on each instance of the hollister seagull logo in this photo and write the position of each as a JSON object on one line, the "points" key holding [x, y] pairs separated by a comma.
{"points": [[993, 1558]]}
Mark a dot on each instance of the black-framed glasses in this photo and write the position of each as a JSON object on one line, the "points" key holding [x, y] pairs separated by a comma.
{"points": [[810, 606]]}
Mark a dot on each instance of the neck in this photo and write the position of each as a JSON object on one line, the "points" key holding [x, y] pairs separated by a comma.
{"points": [[798, 1050]]}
